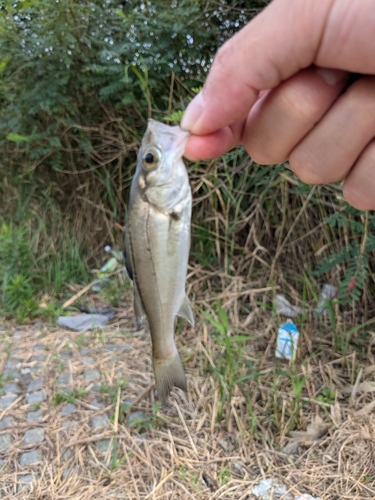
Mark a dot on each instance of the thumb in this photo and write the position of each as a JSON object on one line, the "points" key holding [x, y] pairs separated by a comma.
{"points": [[284, 38]]}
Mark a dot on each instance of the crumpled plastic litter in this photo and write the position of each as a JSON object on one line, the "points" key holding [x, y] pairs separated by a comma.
{"points": [[268, 487], [272, 488], [285, 308], [306, 497], [86, 321], [114, 263], [328, 293]]}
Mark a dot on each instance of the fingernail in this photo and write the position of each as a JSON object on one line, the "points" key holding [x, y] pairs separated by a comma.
{"points": [[332, 76], [193, 112]]}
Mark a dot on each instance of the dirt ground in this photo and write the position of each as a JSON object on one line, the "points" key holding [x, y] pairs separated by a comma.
{"points": [[207, 444]]}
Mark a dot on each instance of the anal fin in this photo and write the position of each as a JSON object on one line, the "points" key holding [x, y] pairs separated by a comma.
{"points": [[185, 311]]}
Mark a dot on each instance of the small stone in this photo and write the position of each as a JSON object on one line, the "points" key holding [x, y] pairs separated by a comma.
{"points": [[39, 347], [67, 389], [100, 421], [96, 387], [65, 355], [6, 401], [17, 336], [26, 481], [237, 466], [12, 363], [34, 416], [5, 441], [68, 409], [12, 387], [223, 444], [72, 425], [26, 379], [36, 397], [14, 352], [140, 437], [136, 415], [38, 357], [35, 385], [31, 457], [26, 371], [64, 378], [66, 453], [2, 462], [35, 369], [13, 374], [6, 422], [85, 351], [89, 361], [91, 375], [118, 347], [34, 436], [66, 472], [103, 445], [97, 403]]}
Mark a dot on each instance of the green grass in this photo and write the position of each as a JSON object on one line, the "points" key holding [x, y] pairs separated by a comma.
{"points": [[64, 397]]}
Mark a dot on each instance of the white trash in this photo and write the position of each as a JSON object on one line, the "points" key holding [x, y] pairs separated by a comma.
{"points": [[287, 341], [272, 488]]}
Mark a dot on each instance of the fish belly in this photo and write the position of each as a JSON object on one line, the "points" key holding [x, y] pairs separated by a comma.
{"points": [[160, 249]]}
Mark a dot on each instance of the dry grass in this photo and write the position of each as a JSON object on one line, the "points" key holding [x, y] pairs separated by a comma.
{"points": [[311, 425]]}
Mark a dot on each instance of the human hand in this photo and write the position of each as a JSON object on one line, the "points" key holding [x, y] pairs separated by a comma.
{"points": [[278, 87]]}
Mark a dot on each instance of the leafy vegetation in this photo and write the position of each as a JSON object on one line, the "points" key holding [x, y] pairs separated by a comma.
{"points": [[78, 82], [64, 397]]}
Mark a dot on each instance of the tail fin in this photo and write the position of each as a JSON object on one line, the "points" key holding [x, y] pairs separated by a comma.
{"points": [[169, 373]]}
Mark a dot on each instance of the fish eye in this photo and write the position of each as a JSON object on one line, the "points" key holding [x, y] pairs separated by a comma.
{"points": [[151, 158]]}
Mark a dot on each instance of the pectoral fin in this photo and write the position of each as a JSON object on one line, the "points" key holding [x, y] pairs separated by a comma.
{"points": [[174, 233], [185, 311], [127, 254], [138, 308]]}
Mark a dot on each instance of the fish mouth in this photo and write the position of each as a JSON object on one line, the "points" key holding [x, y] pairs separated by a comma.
{"points": [[176, 131]]}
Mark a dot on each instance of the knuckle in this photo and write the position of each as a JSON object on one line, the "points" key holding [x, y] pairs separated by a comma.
{"points": [[357, 198], [263, 157], [299, 106], [359, 186], [223, 55], [307, 171]]}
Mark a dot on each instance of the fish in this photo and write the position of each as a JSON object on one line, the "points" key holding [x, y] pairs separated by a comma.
{"points": [[157, 245]]}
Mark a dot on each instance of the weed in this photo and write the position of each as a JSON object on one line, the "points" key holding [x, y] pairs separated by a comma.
{"points": [[7, 346], [191, 477], [224, 475], [114, 292], [81, 340], [228, 366], [112, 392], [64, 397], [146, 422], [37, 406], [327, 396], [116, 461]]}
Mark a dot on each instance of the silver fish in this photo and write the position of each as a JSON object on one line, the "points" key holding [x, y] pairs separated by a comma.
{"points": [[157, 243]]}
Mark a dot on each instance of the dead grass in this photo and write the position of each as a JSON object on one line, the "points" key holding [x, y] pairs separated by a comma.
{"points": [[311, 425]]}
